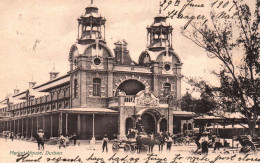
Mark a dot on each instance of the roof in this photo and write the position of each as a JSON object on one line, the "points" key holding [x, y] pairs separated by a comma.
{"points": [[90, 110], [183, 113], [228, 126]]}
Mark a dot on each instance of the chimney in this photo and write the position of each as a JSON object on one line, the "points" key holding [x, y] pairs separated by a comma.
{"points": [[53, 74], [32, 84], [16, 91], [121, 53]]}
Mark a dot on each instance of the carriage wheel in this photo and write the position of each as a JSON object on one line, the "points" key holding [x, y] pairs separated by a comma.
{"points": [[127, 148], [115, 147], [144, 149], [132, 147], [249, 146]]}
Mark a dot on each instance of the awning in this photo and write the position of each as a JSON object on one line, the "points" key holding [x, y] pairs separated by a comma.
{"points": [[90, 110], [183, 113]]}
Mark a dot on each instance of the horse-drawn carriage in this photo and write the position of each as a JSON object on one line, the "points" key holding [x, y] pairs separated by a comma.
{"points": [[127, 145], [139, 141]]}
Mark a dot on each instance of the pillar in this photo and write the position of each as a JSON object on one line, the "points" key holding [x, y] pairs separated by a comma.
{"points": [[121, 124], [51, 125], [93, 127], [43, 123], [170, 121], [32, 128], [60, 124], [22, 130], [67, 123], [37, 124], [78, 125], [27, 123], [18, 127], [14, 126]]}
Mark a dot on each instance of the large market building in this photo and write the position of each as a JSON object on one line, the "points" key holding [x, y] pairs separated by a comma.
{"points": [[105, 91]]}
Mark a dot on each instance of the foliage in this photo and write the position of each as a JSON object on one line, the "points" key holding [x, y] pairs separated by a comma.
{"points": [[236, 44]]}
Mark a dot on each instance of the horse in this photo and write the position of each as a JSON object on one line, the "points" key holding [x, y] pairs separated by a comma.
{"points": [[160, 139], [150, 141]]}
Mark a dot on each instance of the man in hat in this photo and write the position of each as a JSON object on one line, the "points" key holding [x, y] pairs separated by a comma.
{"points": [[40, 139], [104, 143]]}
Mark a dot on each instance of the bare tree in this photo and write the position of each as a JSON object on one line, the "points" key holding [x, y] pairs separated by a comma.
{"points": [[226, 41]]}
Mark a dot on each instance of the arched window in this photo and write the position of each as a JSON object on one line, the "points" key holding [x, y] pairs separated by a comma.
{"points": [[97, 87], [166, 89], [75, 88]]}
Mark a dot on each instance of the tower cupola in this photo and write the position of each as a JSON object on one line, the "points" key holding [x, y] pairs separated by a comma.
{"points": [[91, 25], [159, 34]]}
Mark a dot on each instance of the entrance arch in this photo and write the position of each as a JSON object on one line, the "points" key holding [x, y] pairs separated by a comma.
{"points": [[129, 123], [163, 125], [131, 87], [149, 123]]}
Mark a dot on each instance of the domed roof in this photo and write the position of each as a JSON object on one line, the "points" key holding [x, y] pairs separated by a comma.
{"points": [[160, 15]]}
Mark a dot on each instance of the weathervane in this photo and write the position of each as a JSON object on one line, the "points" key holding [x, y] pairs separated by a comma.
{"points": [[160, 7]]}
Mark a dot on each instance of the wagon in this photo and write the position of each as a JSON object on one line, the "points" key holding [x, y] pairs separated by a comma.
{"points": [[127, 145]]}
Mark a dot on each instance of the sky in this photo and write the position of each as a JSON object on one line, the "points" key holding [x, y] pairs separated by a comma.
{"points": [[52, 25]]}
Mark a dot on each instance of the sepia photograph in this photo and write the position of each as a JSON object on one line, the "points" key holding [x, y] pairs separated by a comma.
{"points": [[119, 81]]}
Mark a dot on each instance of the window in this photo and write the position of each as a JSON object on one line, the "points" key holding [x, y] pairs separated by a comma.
{"points": [[97, 87], [166, 89], [167, 67], [75, 88]]}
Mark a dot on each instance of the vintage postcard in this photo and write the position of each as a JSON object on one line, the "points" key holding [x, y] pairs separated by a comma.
{"points": [[120, 81]]}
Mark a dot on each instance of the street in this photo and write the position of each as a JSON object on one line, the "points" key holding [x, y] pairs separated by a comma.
{"points": [[10, 150]]}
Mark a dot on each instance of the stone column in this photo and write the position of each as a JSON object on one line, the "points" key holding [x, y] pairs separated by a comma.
{"points": [[22, 130], [67, 123], [78, 125], [170, 121], [14, 126], [155, 81], [37, 124], [60, 123], [121, 121], [43, 123], [32, 128], [51, 125], [27, 123], [18, 126], [93, 127]]}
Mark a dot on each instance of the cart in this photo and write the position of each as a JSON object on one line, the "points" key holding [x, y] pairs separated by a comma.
{"points": [[127, 145]]}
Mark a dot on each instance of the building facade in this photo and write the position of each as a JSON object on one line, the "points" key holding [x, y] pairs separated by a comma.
{"points": [[105, 91]]}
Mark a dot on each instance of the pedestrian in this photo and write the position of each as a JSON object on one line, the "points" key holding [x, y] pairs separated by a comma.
{"points": [[197, 141], [217, 143], [104, 143], [204, 144], [6, 136], [169, 142], [75, 138], [40, 139], [12, 136], [62, 142]]}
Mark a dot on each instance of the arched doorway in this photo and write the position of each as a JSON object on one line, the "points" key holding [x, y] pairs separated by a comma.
{"points": [[128, 124], [148, 121], [163, 125], [131, 87]]}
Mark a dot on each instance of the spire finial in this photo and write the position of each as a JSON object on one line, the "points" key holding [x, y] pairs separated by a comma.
{"points": [[53, 67], [160, 7]]}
